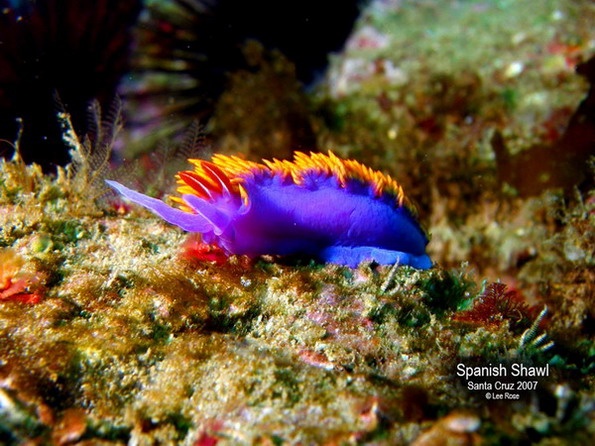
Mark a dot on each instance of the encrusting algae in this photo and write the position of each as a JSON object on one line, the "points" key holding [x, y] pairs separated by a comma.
{"points": [[134, 341]]}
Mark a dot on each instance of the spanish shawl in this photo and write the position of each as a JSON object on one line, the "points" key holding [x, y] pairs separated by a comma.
{"points": [[321, 206]]}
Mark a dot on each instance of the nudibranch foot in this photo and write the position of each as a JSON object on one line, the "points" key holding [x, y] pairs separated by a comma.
{"points": [[352, 256], [317, 205]]}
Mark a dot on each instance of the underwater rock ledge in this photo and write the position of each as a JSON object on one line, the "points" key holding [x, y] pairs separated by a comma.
{"points": [[131, 340]]}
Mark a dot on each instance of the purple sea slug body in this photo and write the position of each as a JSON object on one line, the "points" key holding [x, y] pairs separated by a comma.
{"points": [[334, 210]]}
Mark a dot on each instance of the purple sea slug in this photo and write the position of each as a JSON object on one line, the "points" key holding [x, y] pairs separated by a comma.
{"points": [[321, 206]]}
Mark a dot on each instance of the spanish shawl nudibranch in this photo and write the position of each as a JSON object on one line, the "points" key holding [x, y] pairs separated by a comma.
{"points": [[334, 210]]}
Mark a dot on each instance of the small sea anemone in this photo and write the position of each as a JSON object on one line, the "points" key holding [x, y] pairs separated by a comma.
{"points": [[17, 284]]}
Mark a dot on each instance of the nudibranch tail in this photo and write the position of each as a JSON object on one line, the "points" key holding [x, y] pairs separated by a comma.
{"points": [[318, 205], [353, 256]]}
